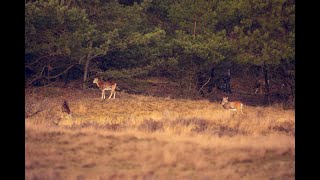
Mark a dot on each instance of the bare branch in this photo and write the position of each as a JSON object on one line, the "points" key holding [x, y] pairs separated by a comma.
{"points": [[34, 62], [204, 85], [57, 75], [48, 77], [80, 60]]}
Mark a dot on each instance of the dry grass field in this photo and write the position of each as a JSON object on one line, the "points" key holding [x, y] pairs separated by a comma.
{"points": [[147, 137]]}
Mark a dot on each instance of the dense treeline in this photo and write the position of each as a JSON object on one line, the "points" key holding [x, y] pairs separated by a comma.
{"points": [[184, 40]]}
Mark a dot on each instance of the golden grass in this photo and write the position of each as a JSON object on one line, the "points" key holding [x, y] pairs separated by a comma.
{"points": [[141, 137]]}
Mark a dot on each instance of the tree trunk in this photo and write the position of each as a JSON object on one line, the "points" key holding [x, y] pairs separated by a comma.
{"points": [[289, 79], [86, 68], [211, 83], [265, 70], [200, 82], [49, 68], [85, 75], [48, 75], [228, 86], [66, 78]]}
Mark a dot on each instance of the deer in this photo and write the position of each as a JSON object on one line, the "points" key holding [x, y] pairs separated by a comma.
{"points": [[106, 85], [259, 84], [231, 105], [65, 109]]}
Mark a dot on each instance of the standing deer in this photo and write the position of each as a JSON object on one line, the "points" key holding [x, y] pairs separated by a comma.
{"points": [[233, 105], [106, 85]]}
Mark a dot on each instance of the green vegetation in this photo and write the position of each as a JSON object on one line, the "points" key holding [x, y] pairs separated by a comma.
{"points": [[182, 40]]}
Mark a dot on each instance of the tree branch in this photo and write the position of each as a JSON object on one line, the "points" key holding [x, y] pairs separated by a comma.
{"points": [[30, 64], [80, 60], [57, 75], [204, 85], [49, 77]]}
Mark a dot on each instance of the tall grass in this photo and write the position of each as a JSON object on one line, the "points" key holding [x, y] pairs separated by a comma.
{"points": [[145, 137]]}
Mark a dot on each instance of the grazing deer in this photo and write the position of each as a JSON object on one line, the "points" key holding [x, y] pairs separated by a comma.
{"points": [[65, 109], [234, 105], [106, 85], [259, 85]]}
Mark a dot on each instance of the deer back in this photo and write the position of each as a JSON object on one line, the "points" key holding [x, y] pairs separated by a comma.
{"points": [[232, 105], [106, 85]]}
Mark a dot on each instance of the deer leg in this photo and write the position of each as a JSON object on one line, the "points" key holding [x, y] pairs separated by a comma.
{"points": [[114, 94], [241, 108], [110, 95], [102, 94]]}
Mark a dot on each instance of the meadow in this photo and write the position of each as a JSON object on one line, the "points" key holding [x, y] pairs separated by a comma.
{"points": [[148, 137]]}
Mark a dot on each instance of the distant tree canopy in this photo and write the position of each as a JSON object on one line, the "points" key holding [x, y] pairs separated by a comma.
{"points": [[178, 39]]}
